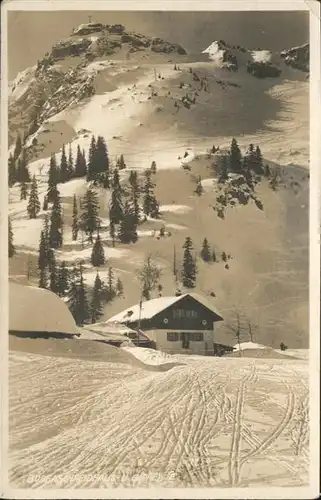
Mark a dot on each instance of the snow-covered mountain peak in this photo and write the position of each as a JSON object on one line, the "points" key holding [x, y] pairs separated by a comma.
{"points": [[215, 51]]}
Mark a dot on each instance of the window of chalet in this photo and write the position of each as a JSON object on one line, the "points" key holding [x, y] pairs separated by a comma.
{"points": [[196, 337], [172, 336], [183, 314]]}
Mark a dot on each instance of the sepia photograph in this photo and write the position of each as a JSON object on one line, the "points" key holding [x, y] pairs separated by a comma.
{"points": [[161, 193]]}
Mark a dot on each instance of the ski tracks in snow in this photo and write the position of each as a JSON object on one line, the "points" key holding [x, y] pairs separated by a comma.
{"points": [[201, 424]]}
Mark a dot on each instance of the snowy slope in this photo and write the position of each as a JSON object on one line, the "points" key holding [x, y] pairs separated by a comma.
{"points": [[20, 85], [261, 55], [209, 423], [133, 107]]}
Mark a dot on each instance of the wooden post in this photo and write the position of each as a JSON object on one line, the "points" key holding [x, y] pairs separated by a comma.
{"points": [[174, 265], [28, 269]]}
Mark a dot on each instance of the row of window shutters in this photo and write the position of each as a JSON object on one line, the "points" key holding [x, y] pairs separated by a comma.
{"points": [[185, 336]]}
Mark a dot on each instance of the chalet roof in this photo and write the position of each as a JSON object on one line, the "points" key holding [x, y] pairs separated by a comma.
{"points": [[109, 327], [151, 308]]}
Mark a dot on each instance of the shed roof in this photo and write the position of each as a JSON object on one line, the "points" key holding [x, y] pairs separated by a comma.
{"points": [[151, 308], [34, 309]]}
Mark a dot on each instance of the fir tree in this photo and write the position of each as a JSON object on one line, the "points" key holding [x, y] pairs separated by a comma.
{"points": [[222, 169], [63, 166], [33, 207], [206, 251], [111, 290], [112, 232], [235, 157], [101, 162], [56, 224], [84, 162], [199, 188], [80, 165], [153, 167], [115, 183], [12, 174], [247, 172], [70, 165], [53, 178], [78, 304], [224, 257], [46, 230], [18, 147], [119, 288], [43, 278], [189, 266], [53, 275], [91, 169], [62, 279], [251, 155], [135, 192], [22, 172], [174, 264], [75, 221], [127, 232], [23, 191], [96, 308], [213, 256], [121, 165], [43, 255], [90, 213], [82, 300], [98, 254], [150, 204], [11, 248], [116, 209], [45, 203], [258, 163]]}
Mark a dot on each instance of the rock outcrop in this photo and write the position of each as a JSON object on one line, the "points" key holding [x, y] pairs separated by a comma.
{"points": [[298, 57], [70, 48], [159, 45], [263, 69]]}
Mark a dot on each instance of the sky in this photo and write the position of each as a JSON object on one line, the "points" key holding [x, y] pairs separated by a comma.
{"points": [[32, 34]]}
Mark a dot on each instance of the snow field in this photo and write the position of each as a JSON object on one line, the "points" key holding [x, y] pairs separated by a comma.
{"points": [[261, 56], [182, 209], [214, 422], [85, 254]]}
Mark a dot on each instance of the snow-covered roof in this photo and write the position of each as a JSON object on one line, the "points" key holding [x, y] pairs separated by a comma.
{"points": [[151, 308], [34, 309], [109, 327]]}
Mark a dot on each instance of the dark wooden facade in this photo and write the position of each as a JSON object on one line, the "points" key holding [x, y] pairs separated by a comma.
{"points": [[186, 314]]}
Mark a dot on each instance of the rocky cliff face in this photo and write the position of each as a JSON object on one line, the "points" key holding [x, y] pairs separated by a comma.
{"points": [[95, 40], [297, 57]]}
